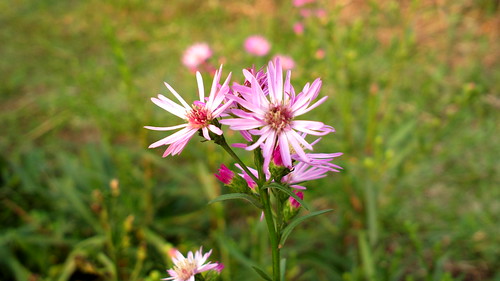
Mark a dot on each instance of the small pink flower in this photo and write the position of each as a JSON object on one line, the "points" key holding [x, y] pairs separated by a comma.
{"points": [[225, 175], [185, 268], [197, 117], [303, 172], [299, 3], [196, 54], [298, 28], [286, 61], [257, 45], [295, 204]]}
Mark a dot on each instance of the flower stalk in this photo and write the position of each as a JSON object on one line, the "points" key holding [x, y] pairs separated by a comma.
{"points": [[273, 233]]}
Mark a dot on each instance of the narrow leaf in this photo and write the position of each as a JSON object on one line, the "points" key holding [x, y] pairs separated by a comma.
{"points": [[366, 257], [288, 229], [262, 273], [289, 192], [243, 196]]}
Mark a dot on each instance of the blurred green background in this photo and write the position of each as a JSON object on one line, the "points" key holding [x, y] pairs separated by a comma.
{"points": [[414, 97]]}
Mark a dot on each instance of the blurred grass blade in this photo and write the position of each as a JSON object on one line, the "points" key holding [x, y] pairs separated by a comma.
{"points": [[287, 230], [366, 257], [19, 271], [159, 243], [235, 252], [262, 273], [108, 264], [242, 196]]}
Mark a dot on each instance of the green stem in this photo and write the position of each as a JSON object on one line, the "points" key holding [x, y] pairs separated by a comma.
{"points": [[266, 202], [273, 236], [222, 142]]}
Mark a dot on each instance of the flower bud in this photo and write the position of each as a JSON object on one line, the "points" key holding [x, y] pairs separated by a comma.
{"points": [[225, 175]]}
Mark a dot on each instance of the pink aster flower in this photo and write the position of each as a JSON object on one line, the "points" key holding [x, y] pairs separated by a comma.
{"points": [[185, 268], [273, 118], [196, 54], [321, 160], [303, 172], [257, 45], [198, 116]]}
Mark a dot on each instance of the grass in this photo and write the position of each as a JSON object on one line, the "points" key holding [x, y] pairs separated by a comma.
{"points": [[413, 89]]}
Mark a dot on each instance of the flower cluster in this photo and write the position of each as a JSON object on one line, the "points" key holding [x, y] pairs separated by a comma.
{"points": [[267, 111]]}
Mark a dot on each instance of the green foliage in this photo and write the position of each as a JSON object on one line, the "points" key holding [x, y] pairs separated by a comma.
{"points": [[413, 89]]}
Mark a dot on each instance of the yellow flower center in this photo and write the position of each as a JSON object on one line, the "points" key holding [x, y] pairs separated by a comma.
{"points": [[278, 117]]}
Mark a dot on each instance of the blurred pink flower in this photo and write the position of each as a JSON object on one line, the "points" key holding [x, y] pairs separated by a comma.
{"points": [[185, 268], [299, 3], [320, 54], [257, 45], [196, 54], [305, 13], [298, 28], [321, 13], [286, 61]]}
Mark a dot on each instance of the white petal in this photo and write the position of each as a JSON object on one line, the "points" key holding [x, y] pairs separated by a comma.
{"points": [[206, 135], [181, 100], [215, 130], [170, 106], [166, 128], [201, 88]]}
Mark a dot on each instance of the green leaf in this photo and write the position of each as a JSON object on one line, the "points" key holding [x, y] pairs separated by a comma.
{"points": [[262, 273], [289, 192], [282, 268], [243, 196], [288, 229]]}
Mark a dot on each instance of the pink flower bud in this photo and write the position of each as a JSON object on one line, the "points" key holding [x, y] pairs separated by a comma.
{"points": [[295, 204], [225, 175]]}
